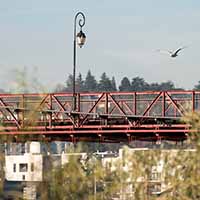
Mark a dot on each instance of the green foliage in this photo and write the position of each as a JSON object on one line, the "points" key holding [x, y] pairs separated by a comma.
{"points": [[162, 86], [125, 85], [25, 81], [105, 83], [70, 181], [113, 83], [79, 83], [2, 173], [79, 178], [90, 84], [90, 179], [93, 178], [92, 147], [139, 84], [69, 83]]}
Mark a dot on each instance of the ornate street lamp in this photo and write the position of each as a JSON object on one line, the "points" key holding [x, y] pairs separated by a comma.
{"points": [[79, 39]]}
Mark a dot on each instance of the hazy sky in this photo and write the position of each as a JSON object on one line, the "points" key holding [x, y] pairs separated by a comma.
{"points": [[122, 39]]}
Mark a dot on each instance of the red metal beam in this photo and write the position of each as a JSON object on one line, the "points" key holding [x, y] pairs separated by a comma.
{"points": [[111, 114]]}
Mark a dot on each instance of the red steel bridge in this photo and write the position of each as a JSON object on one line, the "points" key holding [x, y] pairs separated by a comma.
{"points": [[100, 117]]}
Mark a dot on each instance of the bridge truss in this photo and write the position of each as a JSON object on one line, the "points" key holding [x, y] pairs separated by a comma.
{"points": [[100, 117]]}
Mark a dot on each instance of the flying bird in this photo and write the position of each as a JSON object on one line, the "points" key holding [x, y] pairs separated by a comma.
{"points": [[173, 54]]}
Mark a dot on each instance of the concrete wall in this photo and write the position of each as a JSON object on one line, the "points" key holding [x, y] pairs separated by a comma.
{"points": [[27, 167]]}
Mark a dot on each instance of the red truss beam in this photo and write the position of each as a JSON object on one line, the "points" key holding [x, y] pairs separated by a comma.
{"points": [[107, 116]]}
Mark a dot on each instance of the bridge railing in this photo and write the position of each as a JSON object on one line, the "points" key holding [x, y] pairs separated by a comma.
{"points": [[25, 110]]}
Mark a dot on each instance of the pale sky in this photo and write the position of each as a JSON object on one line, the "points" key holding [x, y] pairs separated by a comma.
{"points": [[122, 39]]}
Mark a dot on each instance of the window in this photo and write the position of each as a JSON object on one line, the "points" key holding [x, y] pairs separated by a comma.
{"points": [[14, 167], [32, 167], [23, 148], [23, 167], [155, 188], [23, 177], [155, 176]]}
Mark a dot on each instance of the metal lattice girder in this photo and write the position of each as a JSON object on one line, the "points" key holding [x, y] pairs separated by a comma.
{"points": [[98, 113]]}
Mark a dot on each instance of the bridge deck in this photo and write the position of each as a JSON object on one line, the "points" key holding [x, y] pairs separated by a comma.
{"points": [[104, 117]]}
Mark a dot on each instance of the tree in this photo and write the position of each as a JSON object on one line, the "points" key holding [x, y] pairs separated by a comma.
{"points": [[169, 85], [125, 85], [79, 83], [154, 86], [79, 178], [105, 83], [134, 169], [90, 84], [24, 81], [197, 86], [70, 181], [139, 84], [69, 83], [113, 83]]}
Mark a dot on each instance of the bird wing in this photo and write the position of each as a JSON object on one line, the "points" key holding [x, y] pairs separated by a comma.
{"points": [[179, 50], [164, 51]]}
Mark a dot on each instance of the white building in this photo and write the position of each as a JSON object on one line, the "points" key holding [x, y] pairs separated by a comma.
{"points": [[156, 181], [25, 167]]}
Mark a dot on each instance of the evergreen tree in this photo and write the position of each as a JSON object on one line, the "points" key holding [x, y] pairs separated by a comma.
{"points": [[154, 86], [125, 85], [139, 84], [105, 83], [79, 83], [69, 83], [113, 82], [90, 83], [169, 85]]}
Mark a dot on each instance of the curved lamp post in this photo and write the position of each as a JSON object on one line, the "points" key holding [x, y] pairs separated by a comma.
{"points": [[79, 39]]}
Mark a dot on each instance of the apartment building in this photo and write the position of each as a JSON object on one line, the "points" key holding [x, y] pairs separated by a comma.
{"points": [[156, 180], [25, 167]]}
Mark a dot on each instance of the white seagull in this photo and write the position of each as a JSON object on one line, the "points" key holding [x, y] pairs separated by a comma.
{"points": [[173, 54]]}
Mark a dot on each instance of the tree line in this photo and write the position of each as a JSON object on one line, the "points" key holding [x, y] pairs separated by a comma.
{"points": [[24, 82], [90, 84]]}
